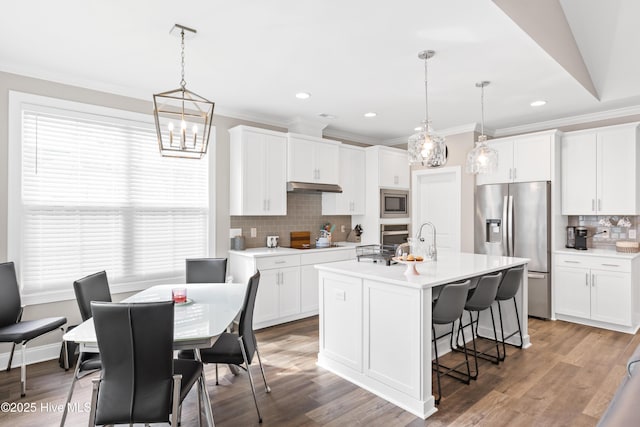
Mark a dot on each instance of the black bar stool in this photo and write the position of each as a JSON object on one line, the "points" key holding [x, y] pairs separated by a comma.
{"points": [[447, 309], [479, 299], [507, 291]]}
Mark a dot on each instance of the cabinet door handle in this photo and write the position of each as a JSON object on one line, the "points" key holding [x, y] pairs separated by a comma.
{"points": [[396, 179], [599, 205], [515, 173], [268, 204], [593, 204], [571, 262], [586, 279], [611, 265], [510, 173], [593, 280]]}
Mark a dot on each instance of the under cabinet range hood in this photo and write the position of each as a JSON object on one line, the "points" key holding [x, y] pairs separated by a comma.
{"points": [[310, 187]]}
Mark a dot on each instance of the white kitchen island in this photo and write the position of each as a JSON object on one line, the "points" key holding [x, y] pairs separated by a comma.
{"points": [[375, 322]]}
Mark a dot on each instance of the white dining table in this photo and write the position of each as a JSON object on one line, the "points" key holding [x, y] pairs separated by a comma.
{"points": [[210, 308]]}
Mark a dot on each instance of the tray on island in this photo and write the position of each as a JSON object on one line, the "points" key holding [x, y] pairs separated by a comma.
{"points": [[376, 253]]}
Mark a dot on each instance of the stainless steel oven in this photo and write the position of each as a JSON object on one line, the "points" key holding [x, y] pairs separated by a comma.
{"points": [[394, 203], [394, 234]]}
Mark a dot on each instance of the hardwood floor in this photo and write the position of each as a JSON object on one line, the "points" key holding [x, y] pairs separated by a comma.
{"points": [[566, 378]]}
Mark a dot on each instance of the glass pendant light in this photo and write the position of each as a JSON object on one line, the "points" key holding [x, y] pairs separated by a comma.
{"points": [[482, 158], [426, 147]]}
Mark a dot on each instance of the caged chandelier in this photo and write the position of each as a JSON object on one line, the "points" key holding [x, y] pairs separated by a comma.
{"points": [[426, 147], [482, 159], [183, 118]]}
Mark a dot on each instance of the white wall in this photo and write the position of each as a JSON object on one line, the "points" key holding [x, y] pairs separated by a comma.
{"points": [[219, 177]]}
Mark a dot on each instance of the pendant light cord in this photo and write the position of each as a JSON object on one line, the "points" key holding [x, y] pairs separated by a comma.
{"points": [[482, 109], [183, 82], [426, 94]]}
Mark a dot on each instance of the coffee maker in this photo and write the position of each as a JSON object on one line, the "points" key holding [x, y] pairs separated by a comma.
{"points": [[571, 237], [581, 238]]}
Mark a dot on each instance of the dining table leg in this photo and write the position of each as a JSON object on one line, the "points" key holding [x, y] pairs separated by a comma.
{"points": [[204, 393]]}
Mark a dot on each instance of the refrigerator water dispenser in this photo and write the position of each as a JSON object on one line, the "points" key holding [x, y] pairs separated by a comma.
{"points": [[493, 232]]}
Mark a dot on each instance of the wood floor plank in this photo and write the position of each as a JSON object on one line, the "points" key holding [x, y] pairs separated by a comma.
{"points": [[566, 378]]}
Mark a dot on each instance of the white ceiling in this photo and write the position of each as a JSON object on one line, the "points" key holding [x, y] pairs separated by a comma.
{"points": [[355, 56]]}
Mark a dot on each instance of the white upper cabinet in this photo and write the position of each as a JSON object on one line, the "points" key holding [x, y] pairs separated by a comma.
{"points": [[257, 172], [579, 173], [599, 171], [352, 180], [504, 171], [522, 158], [312, 159], [393, 167]]}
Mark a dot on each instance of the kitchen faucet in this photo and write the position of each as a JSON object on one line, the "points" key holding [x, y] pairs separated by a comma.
{"points": [[432, 252]]}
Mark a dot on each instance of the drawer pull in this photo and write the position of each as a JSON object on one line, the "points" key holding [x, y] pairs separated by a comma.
{"points": [[572, 262], [280, 262], [611, 265]]}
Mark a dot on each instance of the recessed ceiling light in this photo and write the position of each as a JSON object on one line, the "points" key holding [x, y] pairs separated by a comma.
{"points": [[370, 114], [539, 103], [417, 128], [303, 95], [326, 116]]}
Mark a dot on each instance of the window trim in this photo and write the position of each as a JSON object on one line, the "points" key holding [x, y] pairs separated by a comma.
{"points": [[17, 102]]}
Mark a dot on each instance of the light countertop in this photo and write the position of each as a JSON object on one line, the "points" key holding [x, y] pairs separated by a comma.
{"points": [[265, 252], [598, 252], [450, 267]]}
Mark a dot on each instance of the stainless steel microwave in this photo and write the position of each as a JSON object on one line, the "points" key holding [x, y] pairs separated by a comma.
{"points": [[394, 203]]}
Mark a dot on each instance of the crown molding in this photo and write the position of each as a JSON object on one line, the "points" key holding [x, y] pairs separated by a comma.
{"points": [[349, 136], [456, 130], [469, 127], [255, 118], [395, 141], [568, 121]]}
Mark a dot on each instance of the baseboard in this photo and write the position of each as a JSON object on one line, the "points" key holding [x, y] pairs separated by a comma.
{"points": [[37, 354]]}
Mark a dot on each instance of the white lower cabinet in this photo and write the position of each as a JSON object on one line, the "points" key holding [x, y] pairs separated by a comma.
{"points": [[288, 288], [597, 291], [309, 292], [278, 294], [309, 289], [341, 334]]}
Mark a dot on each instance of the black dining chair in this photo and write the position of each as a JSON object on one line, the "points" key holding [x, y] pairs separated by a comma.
{"points": [[94, 287], [206, 270], [140, 381], [15, 330], [238, 348]]}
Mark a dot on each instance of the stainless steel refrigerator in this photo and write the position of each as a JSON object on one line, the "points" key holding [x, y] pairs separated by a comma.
{"points": [[515, 220]]}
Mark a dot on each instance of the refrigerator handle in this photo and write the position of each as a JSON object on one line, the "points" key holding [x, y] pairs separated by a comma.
{"points": [[505, 234], [510, 227]]}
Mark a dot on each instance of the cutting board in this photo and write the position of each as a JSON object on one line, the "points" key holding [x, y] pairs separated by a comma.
{"points": [[300, 239]]}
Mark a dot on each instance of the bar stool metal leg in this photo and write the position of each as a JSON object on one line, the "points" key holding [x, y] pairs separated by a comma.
{"points": [[505, 338]]}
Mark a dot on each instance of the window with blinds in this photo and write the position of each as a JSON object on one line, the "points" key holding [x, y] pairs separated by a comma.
{"points": [[95, 194]]}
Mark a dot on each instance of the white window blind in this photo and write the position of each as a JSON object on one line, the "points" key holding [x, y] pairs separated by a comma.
{"points": [[96, 195]]}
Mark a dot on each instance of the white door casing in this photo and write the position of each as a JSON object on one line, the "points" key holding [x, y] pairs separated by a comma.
{"points": [[436, 196]]}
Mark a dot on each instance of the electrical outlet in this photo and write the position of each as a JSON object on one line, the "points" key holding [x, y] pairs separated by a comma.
{"points": [[254, 232], [632, 233], [342, 228]]}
